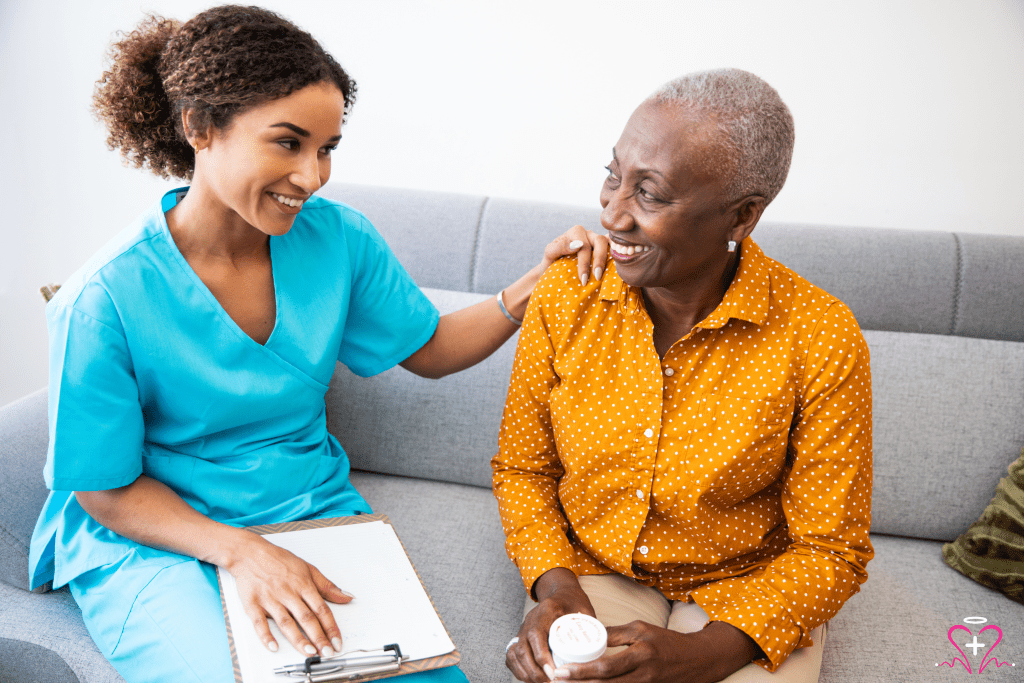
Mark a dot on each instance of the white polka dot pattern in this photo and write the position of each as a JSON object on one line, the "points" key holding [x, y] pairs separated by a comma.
{"points": [[735, 472]]}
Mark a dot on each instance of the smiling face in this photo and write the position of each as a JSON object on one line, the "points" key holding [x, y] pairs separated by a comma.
{"points": [[664, 202], [260, 169]]}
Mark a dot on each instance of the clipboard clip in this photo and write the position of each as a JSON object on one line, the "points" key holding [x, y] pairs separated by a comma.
{"points": [[345, 666]]}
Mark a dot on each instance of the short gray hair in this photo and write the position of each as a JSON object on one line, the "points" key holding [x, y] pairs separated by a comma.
{"points": [[756, 125]]}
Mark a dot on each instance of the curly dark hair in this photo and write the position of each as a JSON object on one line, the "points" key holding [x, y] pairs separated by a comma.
{"points": [[217, 64]]}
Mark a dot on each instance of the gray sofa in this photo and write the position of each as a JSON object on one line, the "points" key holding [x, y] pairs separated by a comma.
{"points": [[943, 314]]}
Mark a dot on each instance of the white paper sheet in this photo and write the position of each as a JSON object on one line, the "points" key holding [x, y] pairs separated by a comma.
{"points": [[366, 560]]}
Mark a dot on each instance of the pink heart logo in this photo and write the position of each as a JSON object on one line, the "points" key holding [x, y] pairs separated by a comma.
{"points": [[986, 659]]}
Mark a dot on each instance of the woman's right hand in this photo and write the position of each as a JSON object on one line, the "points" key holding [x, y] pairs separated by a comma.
{"points": [[274, 583], [558, 592]]}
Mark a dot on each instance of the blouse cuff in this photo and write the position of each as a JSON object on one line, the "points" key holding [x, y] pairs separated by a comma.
{"points": [[756, 613], [540, 551]]}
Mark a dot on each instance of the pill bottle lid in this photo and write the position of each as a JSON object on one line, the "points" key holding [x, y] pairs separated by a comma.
{"points": [[577, 638]]}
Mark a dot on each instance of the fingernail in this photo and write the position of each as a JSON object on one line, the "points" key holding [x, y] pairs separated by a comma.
{"points": [[560, 673], [327, 651], [548, 671], [346, 593], [272, 646], [584, 278], [310, 650], [336, 642], [575, 244], [598, 272]]}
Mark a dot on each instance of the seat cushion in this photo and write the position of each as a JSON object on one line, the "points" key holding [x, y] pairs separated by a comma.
{"points": [[24, 662], [895, 628], [453, 535], [50, 626]]}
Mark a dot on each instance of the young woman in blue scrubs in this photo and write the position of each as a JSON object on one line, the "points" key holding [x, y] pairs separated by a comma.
{"points": [[189, 358]]}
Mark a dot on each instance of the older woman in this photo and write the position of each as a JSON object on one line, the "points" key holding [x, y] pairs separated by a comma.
{"points": [[686, 447]]}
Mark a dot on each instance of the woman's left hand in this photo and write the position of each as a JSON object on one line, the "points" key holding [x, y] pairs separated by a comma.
{"points": [[657, 654], [590, 248]]}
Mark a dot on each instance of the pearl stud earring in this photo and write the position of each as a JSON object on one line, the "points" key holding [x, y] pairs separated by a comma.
{"points": [[732, 245]]}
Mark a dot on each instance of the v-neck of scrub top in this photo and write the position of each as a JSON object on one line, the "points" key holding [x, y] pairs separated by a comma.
{"points": [[170, 200], [271, 348]]}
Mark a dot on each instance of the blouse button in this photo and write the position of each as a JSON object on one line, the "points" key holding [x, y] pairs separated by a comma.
{"points": [[643, 550], [669, 372], [649, 432], [640, 494]]}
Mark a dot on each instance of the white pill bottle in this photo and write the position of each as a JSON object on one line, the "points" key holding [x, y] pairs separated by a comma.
{"points": [[577, 638]]}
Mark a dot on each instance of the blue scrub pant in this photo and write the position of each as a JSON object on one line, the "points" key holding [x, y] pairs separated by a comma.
{"points": [[159, 618]]}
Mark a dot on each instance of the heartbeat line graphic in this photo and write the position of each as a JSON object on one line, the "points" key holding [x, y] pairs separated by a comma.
{"points": [[975, 646]]}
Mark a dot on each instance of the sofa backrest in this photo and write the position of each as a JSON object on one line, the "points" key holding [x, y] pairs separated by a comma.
{"points": [[943, 314], [444, 429], [948, 420], [966, 285]]}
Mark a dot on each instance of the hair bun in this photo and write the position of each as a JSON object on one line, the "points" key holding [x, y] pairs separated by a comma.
{"points": [[131, 101]]}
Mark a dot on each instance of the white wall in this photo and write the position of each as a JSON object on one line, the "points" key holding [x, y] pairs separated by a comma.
{"points": [[909, 113]]}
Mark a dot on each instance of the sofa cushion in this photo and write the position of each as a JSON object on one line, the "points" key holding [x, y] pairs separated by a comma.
{"points": [[895, 628], [947, 417], [53, 623], [23, 442], [463, 242], [991, 287], [444, 429], [897, 280], [433, 234], [30, 663], [513, 235], [453, 535]]}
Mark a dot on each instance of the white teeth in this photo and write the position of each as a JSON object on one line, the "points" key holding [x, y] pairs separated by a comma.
{"points": [[629, 250], [287, 201]]}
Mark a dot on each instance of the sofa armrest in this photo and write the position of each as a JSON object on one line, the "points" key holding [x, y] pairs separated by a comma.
{"points": [[23, 444]]}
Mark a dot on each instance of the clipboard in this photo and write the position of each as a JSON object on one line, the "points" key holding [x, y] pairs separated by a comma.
{"points": [[450, 659]]}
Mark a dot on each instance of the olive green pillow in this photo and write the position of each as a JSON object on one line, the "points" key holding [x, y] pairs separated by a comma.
{"points": [[991, 551]]}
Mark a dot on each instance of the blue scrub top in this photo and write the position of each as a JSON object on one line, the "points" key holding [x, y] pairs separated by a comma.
{"points": [[149, 375]]}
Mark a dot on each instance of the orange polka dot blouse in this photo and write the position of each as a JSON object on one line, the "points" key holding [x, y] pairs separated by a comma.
{"points": [[735, 472]]}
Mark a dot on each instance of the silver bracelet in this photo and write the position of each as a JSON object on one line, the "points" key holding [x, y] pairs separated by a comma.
{"points": [[501, 305]]}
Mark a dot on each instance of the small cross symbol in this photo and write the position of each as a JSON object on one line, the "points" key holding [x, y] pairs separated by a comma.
{"points": [[974, 646]]}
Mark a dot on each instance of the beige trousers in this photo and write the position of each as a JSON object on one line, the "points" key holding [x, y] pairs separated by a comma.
{"points": [[618, 600]]}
